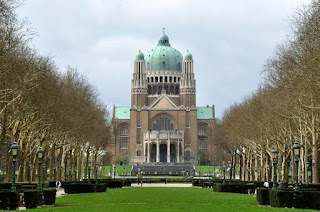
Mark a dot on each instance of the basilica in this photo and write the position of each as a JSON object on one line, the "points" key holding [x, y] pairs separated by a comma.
{"points": [[163, 123]]}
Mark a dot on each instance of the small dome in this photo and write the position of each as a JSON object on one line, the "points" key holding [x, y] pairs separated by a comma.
{"points": [[164, 40], [187, 56], [140, 56]]}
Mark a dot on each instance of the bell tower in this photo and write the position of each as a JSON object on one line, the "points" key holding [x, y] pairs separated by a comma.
{"points": [[187, 82], [139, 84]]}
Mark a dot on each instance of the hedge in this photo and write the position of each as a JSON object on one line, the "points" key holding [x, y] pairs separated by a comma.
{"points": [[9, 200], [289, 198], [32, 199], [74, 188], [101, 187], [263, 196], [233, 188], [6, 186], [49, 196]]}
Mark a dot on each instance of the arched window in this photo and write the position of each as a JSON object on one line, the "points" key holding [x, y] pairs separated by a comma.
{"points": [[138, 152], [124, 132], [188, 153], [149, 89], [177, 89], [202, 131], [163, 123], [202, 144]]}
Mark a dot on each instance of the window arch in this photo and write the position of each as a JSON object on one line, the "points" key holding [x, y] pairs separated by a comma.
{"points": [[202, 144], [138, 152], [202, 131], [124, 131], [188, 153], [163, 123]]}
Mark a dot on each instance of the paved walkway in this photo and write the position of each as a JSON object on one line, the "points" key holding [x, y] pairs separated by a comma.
{"points": [[182, 185]]}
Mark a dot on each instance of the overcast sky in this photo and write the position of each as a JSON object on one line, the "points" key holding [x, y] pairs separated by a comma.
{"points": [[230, 40]]}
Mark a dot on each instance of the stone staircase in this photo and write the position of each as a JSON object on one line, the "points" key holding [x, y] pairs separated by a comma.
{"points": [[174, 169]]}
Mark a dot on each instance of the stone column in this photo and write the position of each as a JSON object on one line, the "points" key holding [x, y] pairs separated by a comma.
{"points": [[158, 151], [144, 151], [148, 157], [168, 151], [178, 152]]}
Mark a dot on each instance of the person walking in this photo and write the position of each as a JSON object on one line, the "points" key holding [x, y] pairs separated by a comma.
{"points": [[58, 184]]}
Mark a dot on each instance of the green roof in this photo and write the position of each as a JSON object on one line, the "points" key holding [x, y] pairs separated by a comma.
{"points": [[205, 113], [140, 56], [121, 112], [163, 57], [187, 56]]}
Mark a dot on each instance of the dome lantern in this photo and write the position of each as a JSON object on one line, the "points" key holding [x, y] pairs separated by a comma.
{"points": [[139, 56], [187, 56]]}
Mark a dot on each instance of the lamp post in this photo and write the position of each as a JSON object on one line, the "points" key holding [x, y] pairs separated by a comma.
{"points": [[29, 172], [124, 175], [274, 153], [209, 176], [40, 156], [75, 174], [230, 171], [89, 172], [65, 169], [70, 173], [54, 173], [14, 151], [308, 164], [97, 173], [43, 171], [296, 152], [224, 172]]}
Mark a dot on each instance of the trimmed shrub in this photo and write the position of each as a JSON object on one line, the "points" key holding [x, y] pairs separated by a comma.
{"points": [[233, 188], [127, 183], [101, 187], [263, 196], [307, 199], [52, 184], [49, 196], [114, 184], [289, 198], [9, 200], [6, 186], [32, 199], [315, 186], [74, 188]]}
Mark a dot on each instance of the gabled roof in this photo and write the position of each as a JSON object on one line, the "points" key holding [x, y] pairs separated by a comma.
{"points": [[121, 112], [205, 112], [163, 101]]}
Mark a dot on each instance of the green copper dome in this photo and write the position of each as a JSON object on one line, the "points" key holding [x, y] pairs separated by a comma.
{"points": [[139, 56], [187, 56], [163, 57]]}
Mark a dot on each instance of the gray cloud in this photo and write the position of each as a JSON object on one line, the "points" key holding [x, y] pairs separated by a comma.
{"points": [[230, 40]]}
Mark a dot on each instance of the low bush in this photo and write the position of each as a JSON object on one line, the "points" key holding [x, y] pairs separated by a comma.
{"points": [[49, 196], [114, 184], [9, 200], [127, 183], [233, 188], [101, 187], [74, 188], [6, 186], [289, 198], [315, 186], [32, 199], [263, 196]]}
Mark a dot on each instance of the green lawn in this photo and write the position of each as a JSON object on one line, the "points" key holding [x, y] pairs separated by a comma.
{"points": [[160, 199]]}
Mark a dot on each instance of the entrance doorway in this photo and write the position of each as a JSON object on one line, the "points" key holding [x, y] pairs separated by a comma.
{"points": [[163, 153]]}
